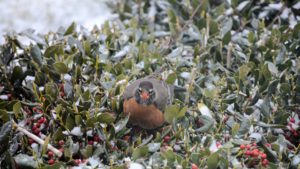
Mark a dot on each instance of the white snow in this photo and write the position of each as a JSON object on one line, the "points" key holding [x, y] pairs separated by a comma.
{"points": [[48, 15]]}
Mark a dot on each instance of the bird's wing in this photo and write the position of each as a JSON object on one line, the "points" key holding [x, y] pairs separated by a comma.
{"points": [[130, 90]]}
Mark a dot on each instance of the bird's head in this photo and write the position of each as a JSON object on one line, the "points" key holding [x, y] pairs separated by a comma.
{"points": [[145, 93]]}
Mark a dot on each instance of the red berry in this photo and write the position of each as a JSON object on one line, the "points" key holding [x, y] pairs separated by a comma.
{"points": [[254, 144], [41, 120], [61, 142], [255, 154], [9, 96], [96, 138], [50, 154], [248, 146], [77, 161], [51, 161], [248, 152], [265, 162], [61, 87], [91, 142], [218, 144], [30, 141], [194, 166], [62, 94], [33, 128], [38, 125], [263, 156], [242, 146], [167, 139], [36, 131], [295, 133], [292, 120]]}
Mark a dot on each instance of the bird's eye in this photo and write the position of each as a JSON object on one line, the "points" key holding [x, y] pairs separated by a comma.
{"points": [[151, 91], [139, 90]]}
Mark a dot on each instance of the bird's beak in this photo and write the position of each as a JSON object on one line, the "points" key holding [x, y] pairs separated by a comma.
{"points": [[145, 95]]}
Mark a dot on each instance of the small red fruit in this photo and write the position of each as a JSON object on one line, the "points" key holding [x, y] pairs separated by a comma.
{"points": [[77, 161], [295, 133], [50, 154], [248, 152], [194, 166], [38, 125], [41, 120], [254, 144], [51, 161], [248, 146], [61, 142], [255, 154], [263, 156], [33, 128], [242, 146], [30, 141], [292, 120], [36, 131], [9, 96], [91, 142], [218, 144], [96, 138], [61, 87], [265, 162], [167, 139]]}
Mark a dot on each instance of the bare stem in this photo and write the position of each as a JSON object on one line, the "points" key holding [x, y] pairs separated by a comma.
{"points": [[38, 140], [190, 85], [229, 53]]}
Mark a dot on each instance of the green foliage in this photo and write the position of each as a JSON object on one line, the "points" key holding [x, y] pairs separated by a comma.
{"points": [[239, 61]]}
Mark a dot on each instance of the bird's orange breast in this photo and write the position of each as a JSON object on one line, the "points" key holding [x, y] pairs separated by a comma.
{"points": [[147, 117]]}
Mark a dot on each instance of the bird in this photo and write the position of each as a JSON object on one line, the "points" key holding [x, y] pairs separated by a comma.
{"points": [[145, 100]]}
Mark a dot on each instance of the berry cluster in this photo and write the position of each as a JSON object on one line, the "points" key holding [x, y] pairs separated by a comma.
{"points": [[37, 121], [51, 155], [293, 133], [194, 166], [254, 156]]}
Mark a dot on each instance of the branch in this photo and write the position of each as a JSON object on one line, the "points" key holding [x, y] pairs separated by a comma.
{"points": [[38, 140]]}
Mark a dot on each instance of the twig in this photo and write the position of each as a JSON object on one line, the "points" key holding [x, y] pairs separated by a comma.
{"points": [[190, 84], [229, 54], [193, 15], [38, 140]]}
